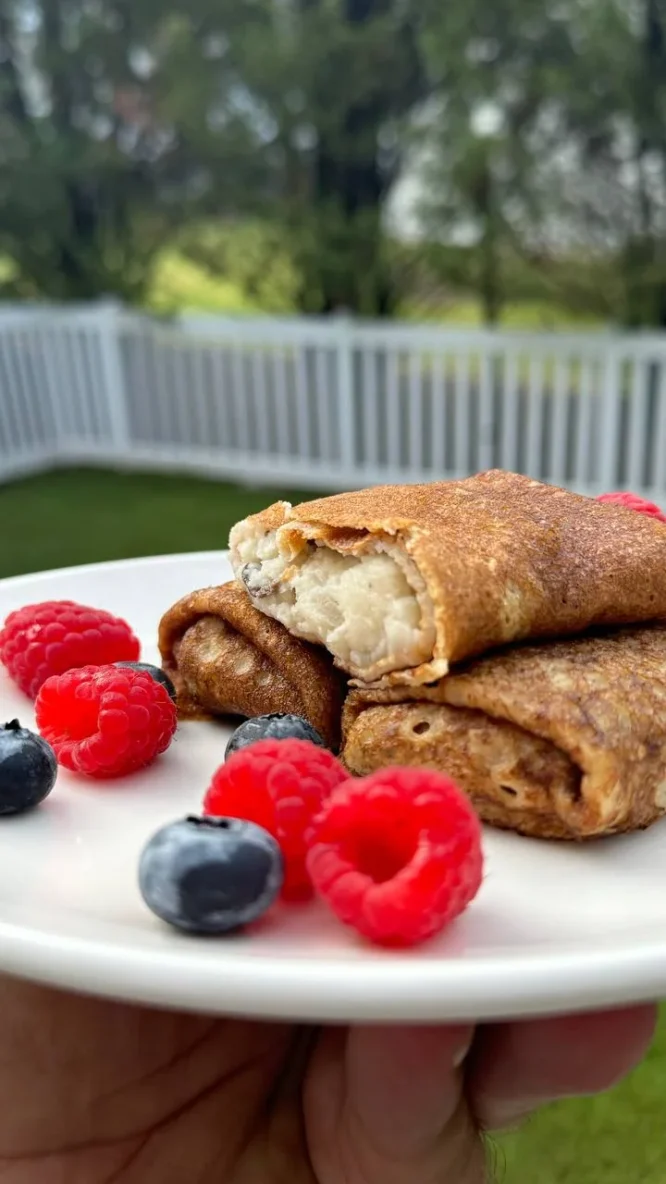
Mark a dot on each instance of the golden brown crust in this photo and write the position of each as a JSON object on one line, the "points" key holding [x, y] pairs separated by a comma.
{"points": [[503, 557], [226, 658], [576, 729]]}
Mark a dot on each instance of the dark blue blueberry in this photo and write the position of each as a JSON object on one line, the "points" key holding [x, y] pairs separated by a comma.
{"points": [[154, 672], [210, 875], [28, 769], [273, 727]]}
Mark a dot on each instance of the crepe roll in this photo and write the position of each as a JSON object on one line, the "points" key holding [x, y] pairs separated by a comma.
{"points": [[226, 658], [565, 740], [398, 582]]}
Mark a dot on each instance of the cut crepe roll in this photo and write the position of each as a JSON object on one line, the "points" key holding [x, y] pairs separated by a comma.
{"points": [[400, 581], [225, 658], [561, 741]]}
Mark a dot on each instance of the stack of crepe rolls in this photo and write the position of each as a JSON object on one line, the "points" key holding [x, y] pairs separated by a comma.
{"points": [[225, 658], [563, 739]]}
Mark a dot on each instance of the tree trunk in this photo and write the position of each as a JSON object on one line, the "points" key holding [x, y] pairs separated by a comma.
{"points": [[349, 193], [490, 280], [350, 269], [648, 294], [489, 276]]}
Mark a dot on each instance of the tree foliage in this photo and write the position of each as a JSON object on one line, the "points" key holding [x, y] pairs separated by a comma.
{"points": [[573, 159], [537, 128], [102, 141]]}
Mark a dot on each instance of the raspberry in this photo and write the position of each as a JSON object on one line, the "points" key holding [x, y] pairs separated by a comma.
{"points": [[280, 785], [396, 855], [633, 502], [105, 721], [58, 635]]}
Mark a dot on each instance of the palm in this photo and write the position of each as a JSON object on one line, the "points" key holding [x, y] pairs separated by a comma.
{"points": [[94, 1092]]}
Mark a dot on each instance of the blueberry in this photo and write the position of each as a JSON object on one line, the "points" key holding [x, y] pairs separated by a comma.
{"points": [[210, 875], [273, 727], [154, 672], [28, 769]]}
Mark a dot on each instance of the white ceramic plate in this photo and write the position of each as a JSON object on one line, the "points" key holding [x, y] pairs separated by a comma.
{"points": [[554, 927]]}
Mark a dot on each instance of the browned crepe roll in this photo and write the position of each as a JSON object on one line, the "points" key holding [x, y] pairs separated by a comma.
{"points": [[565, 740], [401, 581], [225, 658]]}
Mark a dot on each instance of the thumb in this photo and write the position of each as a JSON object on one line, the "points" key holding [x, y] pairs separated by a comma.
{"points": [[401, 1115]]}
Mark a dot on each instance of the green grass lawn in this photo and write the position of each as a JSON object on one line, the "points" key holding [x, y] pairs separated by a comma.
{"points": [[86, 516], [617, 1138]]}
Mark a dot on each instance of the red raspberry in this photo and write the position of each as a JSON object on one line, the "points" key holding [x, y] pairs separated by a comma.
{"points": [[280, 785], [104, 721], [58, 635], [633, 502], [397, 855]]}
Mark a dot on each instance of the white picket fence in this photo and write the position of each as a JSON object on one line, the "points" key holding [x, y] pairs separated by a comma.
{"points": [[328, 404]]}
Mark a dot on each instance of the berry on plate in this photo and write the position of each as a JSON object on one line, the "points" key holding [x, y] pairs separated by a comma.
{"points": [[210, 875], [281, 785], [28, 769], [103, 721], [633, 502], [396, 855], [154, 672], [58, 635], [273, 727]]}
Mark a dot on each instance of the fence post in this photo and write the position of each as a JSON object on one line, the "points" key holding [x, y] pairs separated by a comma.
{"points": [[347, 416], [611, 396], [109, 328], [486, 410], [659, 470]]}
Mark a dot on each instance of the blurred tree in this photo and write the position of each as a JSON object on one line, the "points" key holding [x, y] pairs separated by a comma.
{"points": [[550, 142], [620, 125], [608, 185], [96, 164], [254, 254], [644, 254], [265, 136], [329, 83], [356, 151], [121, 120], [501, 71]]}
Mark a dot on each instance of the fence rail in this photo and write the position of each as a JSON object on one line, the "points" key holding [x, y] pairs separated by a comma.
{"points": [[329, 404]]}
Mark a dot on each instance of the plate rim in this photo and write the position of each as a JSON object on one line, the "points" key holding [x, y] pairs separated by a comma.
{"points": [[443, 990], [116, 564]]}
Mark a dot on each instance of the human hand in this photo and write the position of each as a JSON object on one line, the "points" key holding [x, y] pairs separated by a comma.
{"points": [[93, 1092]]}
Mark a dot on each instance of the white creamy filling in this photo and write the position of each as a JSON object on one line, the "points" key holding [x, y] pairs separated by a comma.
{"points": [[362, 608]]}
